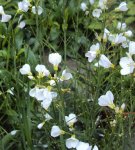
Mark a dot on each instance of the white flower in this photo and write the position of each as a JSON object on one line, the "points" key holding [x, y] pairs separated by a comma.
{"points": [[1, 10], [105, 62], [121, 26], [95, 147], [102, 4], [128, 33], [13, 132], [33, 91], [5, 18], [42, 71], [37, 10], [66, 75], [46, 103], [93, 52], [107, 100], [120, 110], [116, 38], [39, 126], [125, 44], [132, 47], [21, 24], [56, 131], [92, 2], [123, 106], [55, 59], [83, 6], [96, 13], [25, 70], [53, 94], [83, 146], [106, 34], [71, 119], [47, 117], [122, 6], [72, 142], [52, 82], [24, 5], [43, 94], [127, 64], [40, 94], [11, 91]]}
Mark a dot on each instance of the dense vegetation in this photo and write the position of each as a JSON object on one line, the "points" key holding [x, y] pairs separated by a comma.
{"points": [[67, 75]]}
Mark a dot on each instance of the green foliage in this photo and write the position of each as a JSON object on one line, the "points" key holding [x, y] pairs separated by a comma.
{"points": [[64, 28]]}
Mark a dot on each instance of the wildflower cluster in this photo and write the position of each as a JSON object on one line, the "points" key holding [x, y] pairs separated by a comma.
{"points": [[80, 104], [43, 93]]}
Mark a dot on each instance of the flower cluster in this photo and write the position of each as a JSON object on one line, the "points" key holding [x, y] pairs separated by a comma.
{"points": [[121, 38], [43, 92], [25, 5], [101, 7]]}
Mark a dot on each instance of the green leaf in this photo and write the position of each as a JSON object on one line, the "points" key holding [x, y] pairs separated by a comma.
{"points": [[95, 25]]}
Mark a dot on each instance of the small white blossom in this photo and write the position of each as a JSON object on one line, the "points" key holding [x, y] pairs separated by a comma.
{"points": [[123, 106], [40, 94], [102, 4], [5, 18], [107, 100], [95, 147], [66, 75], [128, 33], [52, 82], [10, 91], [46, 103], [96, 13], [122, 7], [132, 47], [116, 38], [25, 70], [21, 24], [56, 131], [47, 117], [121, 26], [83, 6], [120, 110], [125, 44], [93, 52], [72, 142], [38, 10], [92, 2], [71, 119], [55, 59], [127, 64], [105, 62], [13, 132], [1, 10], [24, 5], [105, 35], [42, 71], [83, 146], [39, 126], [33, 92]]}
